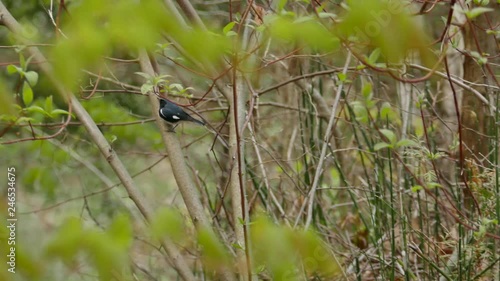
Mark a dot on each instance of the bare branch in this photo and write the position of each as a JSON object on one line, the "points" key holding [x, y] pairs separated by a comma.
{"points": [[326, 143]]}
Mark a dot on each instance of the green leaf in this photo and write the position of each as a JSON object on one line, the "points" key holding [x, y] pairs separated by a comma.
{"points": [[228, 28], [432, 185], [304, 19], [231, 33], [386, 112], [28, 62], [416, 188], [480, 234], [24, 119], [32, 78], [214, 254], [281, 5], [335, 177], [237, 246], [121, 231], [159, 81], [176, 86], [183, 91], [389, 135], [56, 112], [48, 104], [27, 94], [372, 59], [164, 76], [475, 12], [492, 32], [367, 91], [11, 69], [481, 2], [387, 25], [7, 104], [38, 109], [380, 146], [146, 88], [163, 46], [370, 104], [480, 59], [360, 112], [435, 156], [67, 241], [145, 75], [341, 77], [307, 31], [17, 107], [298, 166], [406, 142], [262, 27], [22, 61], [316, 258], [167, 223]]}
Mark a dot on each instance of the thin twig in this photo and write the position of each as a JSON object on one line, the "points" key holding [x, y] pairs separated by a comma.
{"points": [[326, 143]]}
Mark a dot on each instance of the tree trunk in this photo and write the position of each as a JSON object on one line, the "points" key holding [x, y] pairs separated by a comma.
{"points": [[476, 116]]}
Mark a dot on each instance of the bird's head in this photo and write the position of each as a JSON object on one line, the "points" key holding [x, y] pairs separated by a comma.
{"points": [[163, 102]]}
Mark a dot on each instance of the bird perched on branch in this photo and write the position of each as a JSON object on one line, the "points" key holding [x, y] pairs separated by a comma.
{"points": [[173, 113]]}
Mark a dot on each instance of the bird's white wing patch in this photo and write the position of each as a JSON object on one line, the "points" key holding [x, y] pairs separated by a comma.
{"points": [[176, 117], [161, 113]]}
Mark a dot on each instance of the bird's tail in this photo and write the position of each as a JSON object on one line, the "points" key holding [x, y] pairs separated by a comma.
{"points": [[196, 121]]}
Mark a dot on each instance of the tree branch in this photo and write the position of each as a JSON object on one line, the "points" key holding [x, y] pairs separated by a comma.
{"points": [[186, 187], [326, 143]]}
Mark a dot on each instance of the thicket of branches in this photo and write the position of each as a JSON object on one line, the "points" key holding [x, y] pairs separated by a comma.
{"points": [[346, 140]]}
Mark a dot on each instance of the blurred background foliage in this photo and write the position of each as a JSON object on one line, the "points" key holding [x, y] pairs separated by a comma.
{"points": [[389, 203]]}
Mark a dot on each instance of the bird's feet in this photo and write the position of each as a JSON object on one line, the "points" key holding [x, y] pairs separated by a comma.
{"points": [[171, 128]]}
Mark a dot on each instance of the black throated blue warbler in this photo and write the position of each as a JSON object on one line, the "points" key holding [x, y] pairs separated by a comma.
{"points": [[173, 113]]}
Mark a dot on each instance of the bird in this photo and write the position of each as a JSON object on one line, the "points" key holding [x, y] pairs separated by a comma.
{"points": [[173, 113]]}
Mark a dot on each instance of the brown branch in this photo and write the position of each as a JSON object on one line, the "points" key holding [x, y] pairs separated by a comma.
{"points": [[100, 124], [111, 91], [186, 187], [33, 138], [191, 14], [237, 188], [94, 90], [179, 168], [121, 84], [297, 78]]}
